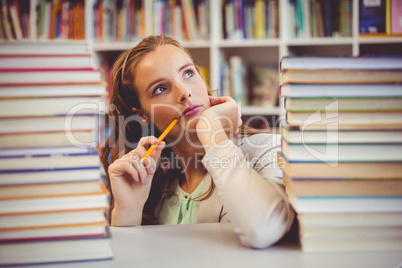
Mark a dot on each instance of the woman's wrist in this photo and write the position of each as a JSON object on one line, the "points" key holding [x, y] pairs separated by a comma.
{"points": [[126, 216], [211, 136]]}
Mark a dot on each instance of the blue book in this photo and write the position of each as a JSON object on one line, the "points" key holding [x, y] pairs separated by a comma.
{"points": [[372, 16]]}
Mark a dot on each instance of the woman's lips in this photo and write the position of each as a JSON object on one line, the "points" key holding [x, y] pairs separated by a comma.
{"points": [[191, 110]]}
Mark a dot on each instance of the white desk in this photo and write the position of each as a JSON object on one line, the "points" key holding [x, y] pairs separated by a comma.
{"points": [[215, 245]]}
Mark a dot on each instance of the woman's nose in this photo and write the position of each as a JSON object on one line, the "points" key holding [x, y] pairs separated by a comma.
{"points": [[182, 93]]}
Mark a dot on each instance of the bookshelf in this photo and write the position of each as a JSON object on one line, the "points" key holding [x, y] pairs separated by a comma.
{"points": [[212, 51]]}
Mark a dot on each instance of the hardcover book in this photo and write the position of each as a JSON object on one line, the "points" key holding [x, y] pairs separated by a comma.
{"points": [[342, 186], [56, 250], [46, 76], [46, 61], [372, 16], [343, 170], [343, 152], [341, 90]]}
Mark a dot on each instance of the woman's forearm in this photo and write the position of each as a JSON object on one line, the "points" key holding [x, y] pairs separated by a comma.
{"points": [[257, 206]]}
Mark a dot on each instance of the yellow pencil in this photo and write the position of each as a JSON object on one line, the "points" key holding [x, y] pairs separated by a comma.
{"points": [[161, 137]]}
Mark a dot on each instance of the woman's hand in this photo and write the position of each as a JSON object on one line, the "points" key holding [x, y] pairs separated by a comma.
{"points": [[130, 180], [219, 122]]}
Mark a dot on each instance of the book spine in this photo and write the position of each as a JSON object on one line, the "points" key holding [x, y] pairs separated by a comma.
{"points": [[396, 17], [259, 19], [15, 18]]}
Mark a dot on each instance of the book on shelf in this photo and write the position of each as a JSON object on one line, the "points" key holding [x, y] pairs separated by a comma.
{"points": [[315, 18], [46, 76], [341, 90], [262, 84], [237, 78], [47, 61], [182, 19], [16, 19], [343, 104], [396, 17], [342, 186], [345, 170], [61, 20], [260, 19], [6, 21], [189, 19], [118, 21], [372, 16], [342, 152], [250, 19], [361, 219], [56, 250]]}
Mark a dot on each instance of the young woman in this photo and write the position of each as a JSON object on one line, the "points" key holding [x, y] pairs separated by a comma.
{"points": [[207, 169]]}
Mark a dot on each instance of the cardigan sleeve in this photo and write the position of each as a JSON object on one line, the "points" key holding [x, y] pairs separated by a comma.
{"points": [[249, 184]]}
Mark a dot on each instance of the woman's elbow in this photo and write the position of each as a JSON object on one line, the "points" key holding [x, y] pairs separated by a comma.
{"points": [[270, 231]]}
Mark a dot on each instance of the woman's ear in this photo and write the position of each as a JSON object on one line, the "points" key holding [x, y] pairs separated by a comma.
{"points": [[142, 117]]}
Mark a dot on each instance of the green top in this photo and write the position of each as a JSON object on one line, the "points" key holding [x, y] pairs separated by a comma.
{"points": [[181, 208]]}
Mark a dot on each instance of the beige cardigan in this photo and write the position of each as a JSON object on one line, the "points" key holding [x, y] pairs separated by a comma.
{"points": [[249, 191]]}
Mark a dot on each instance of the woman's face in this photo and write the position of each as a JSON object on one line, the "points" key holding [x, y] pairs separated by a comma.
{"points": [[168, 86]]}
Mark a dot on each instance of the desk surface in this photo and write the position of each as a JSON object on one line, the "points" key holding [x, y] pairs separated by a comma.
{"points": [[216, 245]]}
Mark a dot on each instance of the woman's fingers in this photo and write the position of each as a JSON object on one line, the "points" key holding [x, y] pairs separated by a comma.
{"points": [[144, 143], [145, 167], [150, 162], [121, 166], [219, 100]]}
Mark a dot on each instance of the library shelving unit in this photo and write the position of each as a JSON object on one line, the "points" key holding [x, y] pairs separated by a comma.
{"points": [[212, 51]]}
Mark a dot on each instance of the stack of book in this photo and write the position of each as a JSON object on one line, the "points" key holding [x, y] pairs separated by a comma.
{"points": [[52, 198], [342, 151]]}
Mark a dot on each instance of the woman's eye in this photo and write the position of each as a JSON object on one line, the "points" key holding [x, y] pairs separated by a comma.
{"points": [[158, 90], [188, 73]]}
